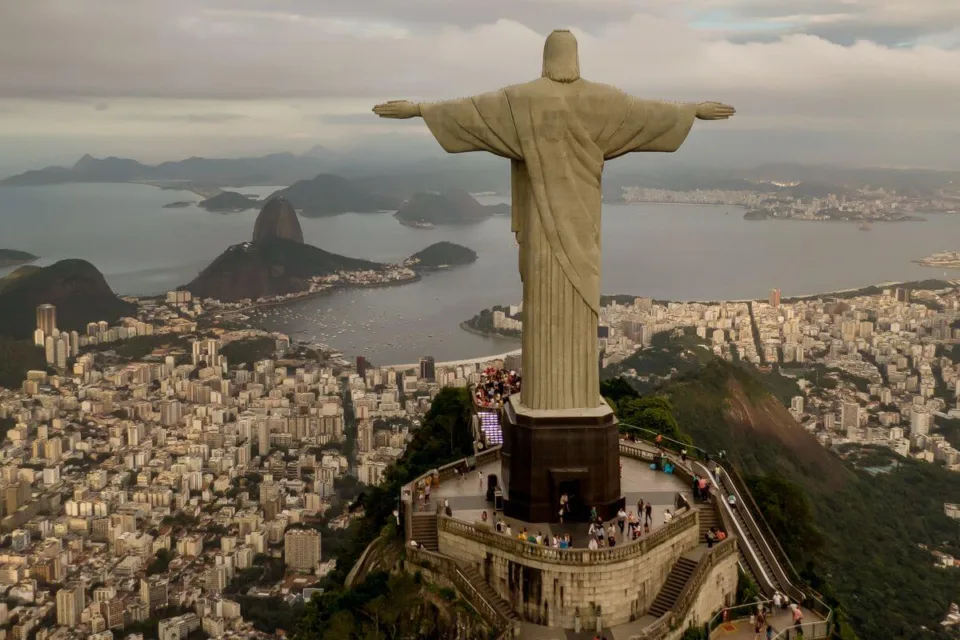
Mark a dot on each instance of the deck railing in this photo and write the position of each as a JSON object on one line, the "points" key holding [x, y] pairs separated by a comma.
{"points": [[580, 556]]}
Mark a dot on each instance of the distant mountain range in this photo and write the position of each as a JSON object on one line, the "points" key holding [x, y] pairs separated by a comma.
{"points": [[393, 172], [75, 287], [12, 257]]}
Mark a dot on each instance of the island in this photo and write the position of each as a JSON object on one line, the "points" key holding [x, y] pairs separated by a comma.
{"points": [[941, 260], [178, 205], [441, 255], [328, 195], [229, 202], [455, 206], [13, 258]]}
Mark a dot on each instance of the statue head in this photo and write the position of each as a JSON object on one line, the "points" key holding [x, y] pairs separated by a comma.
{"points": [[561, 62]]}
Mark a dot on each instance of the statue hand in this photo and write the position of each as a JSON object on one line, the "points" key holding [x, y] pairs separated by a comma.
{"points": [[397, 109], [714, 111]]}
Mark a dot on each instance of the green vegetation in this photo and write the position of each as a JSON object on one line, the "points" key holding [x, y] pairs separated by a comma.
{"points": [[16, 358], [669, 354], [443, 254], [78, 290], [249, 350], [483, 322], [161, 562], [139, 347], [873, 290], [444, 437], [388, 606]]}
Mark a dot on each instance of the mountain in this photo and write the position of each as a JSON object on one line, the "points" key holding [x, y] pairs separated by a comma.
{"points": [[440, 255], [12, 257], [75, 287], [855, 525], [455, 206], [328, 194], [269, 267], [228, 201], [278, 219]]}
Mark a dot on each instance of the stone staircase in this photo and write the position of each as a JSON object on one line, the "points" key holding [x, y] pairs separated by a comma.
{"points": [[425, 530], [708, 520], [487, 593], [672, 588]]}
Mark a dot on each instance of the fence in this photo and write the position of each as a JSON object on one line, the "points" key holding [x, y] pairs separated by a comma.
{"points": [[522, 549]]}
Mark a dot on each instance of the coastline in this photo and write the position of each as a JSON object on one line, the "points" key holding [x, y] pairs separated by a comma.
{"points": [[313, 294], [486, 334]]}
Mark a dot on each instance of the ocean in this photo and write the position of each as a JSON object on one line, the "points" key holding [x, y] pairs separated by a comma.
{"points": [[675, 252]]}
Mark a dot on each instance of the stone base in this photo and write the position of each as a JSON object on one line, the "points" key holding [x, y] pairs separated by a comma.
{"points": [[547, 453]]}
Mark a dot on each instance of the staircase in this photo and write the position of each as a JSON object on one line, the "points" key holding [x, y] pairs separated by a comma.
{"points": [[672, 588], [487, 592], [490, 426], [425, 529], [708, 520]]}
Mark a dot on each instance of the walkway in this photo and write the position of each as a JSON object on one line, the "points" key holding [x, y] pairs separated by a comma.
{"points": [[742, 629], [468, 498]]}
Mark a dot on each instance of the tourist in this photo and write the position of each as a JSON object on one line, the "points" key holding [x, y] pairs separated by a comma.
{"points": [[711, 537], [683, 456], [631, 521], [703, 489], [426, 493], [777, 602], [732, 501], [555, 542], [648, 514], [480, 478], [667, 516], [797, 618], [593, 545], [448, 511], [539, 538], [721, 535], [496, 386], [611, 535], [646, 527], [483, 517], [621, 520], [508, 531], [696, 487], [593, 514], [640, 508], [769, 632]]}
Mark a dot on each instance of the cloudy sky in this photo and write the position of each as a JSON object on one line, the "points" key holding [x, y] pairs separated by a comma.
{"points": [[853, 81]]}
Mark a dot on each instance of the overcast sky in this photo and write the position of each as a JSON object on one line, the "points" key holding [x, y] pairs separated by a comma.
{"points": [[860, 81]]}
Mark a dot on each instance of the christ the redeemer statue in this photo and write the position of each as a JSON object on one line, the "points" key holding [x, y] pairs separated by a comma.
{"points": [[557, 132]]}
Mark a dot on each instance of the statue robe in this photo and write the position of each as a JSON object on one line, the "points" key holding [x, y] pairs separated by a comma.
{"points": [[558, 136]]}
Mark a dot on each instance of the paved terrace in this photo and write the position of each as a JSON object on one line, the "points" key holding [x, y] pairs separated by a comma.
{"points": [[467, 498]]}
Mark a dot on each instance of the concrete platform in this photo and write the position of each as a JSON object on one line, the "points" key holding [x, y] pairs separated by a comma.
{"points": [[467, 497]]}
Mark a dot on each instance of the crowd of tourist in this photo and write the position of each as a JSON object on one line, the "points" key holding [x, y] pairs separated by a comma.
{"points": [[495, 386]]}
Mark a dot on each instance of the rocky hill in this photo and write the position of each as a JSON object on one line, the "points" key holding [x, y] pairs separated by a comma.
{"points": [[76, 287], [269, 267], [329, 194], [449, 207], [854, 522], [278, 219], [12, 257], [441, 255]]}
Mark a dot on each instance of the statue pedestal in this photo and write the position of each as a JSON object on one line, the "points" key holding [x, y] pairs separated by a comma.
{"points": [[548, 453]]}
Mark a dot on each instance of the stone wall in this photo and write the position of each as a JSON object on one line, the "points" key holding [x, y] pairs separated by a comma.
{"points": [[549, 586]]}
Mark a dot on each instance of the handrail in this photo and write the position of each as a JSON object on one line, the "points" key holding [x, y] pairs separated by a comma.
{"points": [[751, 608], [681, 445], [779, 578], [777, 549], [688, 594], [570, 557], [448, 566], [817, 629]]}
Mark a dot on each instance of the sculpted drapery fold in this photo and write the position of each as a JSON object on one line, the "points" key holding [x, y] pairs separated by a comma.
{"points": [[557, 136]]}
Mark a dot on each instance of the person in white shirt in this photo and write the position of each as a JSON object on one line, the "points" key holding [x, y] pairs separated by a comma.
{"points": [[667, 516], [777, 602], [593, 546]]}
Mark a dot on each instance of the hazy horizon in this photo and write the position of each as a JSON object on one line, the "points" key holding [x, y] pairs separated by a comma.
{"points": [[824, 81]]}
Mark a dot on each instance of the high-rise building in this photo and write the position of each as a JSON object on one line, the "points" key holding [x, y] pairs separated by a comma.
{"points": [[774, 297], [361, 366], [428, 369], [154, 592], [902, 294], [850, 416], [301, 549], [263, 438], [71, 600], [170, 412], [47, 319], [919, 420]]}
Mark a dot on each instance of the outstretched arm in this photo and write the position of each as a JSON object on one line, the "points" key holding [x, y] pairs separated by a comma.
{"points": [[397, 109]]}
